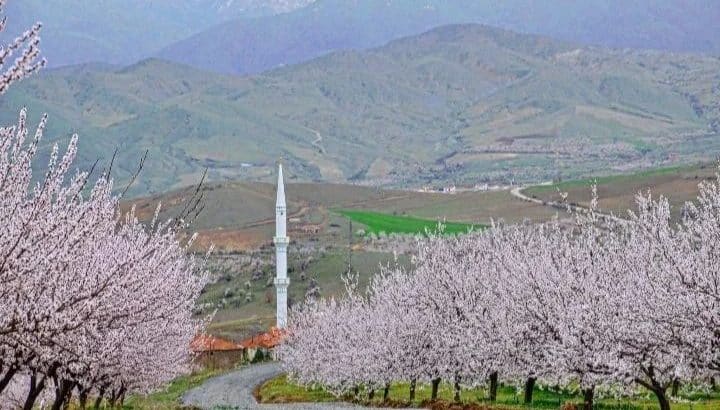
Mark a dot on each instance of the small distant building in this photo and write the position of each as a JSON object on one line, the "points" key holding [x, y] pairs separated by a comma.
{"points": [[310, 229], [216, 353], [265, 343], [268, 340]]}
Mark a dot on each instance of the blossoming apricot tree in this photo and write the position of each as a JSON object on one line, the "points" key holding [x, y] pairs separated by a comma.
{"points": [[607, 304]]}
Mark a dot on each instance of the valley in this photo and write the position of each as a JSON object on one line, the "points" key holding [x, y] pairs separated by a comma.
{"points": [[238, 219], [435, 204]]}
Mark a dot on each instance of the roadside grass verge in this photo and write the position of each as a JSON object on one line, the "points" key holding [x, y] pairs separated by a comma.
{"points": [[169, 398], [282, 390]]}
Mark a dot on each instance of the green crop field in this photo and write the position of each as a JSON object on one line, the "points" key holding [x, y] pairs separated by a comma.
{"points": [[376, 222]]}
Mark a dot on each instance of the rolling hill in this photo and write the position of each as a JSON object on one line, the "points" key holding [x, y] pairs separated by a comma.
{"points": [[459, 104], [247, 46]]}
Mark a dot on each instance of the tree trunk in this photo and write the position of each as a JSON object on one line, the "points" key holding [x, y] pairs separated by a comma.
{"points": [[493, 386], [99, 398], [82, 398], [435, 385], [654, 386], [371, 394], [529, 387], [7, 377], [113, 398], [63, 390], [675, 388], [662, 399], [588, 396], [357, 392], [659, 391], [413, 384], [457, 389], [35, 388], [386, 393]]}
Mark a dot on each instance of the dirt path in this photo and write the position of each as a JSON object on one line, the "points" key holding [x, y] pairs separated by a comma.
{"points": [[517, 192], [317, 143], [234, 391]]}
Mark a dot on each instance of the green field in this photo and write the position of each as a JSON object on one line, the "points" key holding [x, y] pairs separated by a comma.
{"points": [[377, 223], [620, 179], [281, 390], [617, 193]]}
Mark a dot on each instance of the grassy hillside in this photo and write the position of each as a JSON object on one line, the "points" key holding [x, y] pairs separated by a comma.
{"points": [[460, 104], [617, 193]]}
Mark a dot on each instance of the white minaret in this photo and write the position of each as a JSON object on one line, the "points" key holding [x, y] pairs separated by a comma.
{"points": [[281, 243]]}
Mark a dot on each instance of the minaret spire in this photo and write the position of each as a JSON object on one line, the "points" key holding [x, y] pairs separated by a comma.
{"points": [[280, 187], [281, 243]]}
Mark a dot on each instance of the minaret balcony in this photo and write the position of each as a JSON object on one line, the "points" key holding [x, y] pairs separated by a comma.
{"points": [[281, 240], [282, 282]]}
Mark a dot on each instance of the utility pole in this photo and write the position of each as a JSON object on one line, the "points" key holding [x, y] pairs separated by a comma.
{"points": [[350, 237]]}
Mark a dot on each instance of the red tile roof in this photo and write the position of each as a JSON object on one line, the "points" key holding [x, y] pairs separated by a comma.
{"points": [[266, 340], [208, 343]]}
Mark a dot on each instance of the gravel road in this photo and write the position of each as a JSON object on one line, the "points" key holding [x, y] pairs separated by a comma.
{"points": [[234, 391]]}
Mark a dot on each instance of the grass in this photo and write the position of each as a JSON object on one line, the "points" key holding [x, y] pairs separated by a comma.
{"points": [[377, 223], [609, 179], [282, 390], [240, 319], [169, 398], [617, 193]]}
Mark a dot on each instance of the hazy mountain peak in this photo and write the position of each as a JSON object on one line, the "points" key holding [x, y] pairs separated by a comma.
{"points": [[276, 6], [125, 31], [247, 46]]}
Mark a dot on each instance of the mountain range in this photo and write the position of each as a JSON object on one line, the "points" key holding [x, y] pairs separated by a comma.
{"points": [[125, 31], [251, 36], [254, 45], [458, 104]]}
